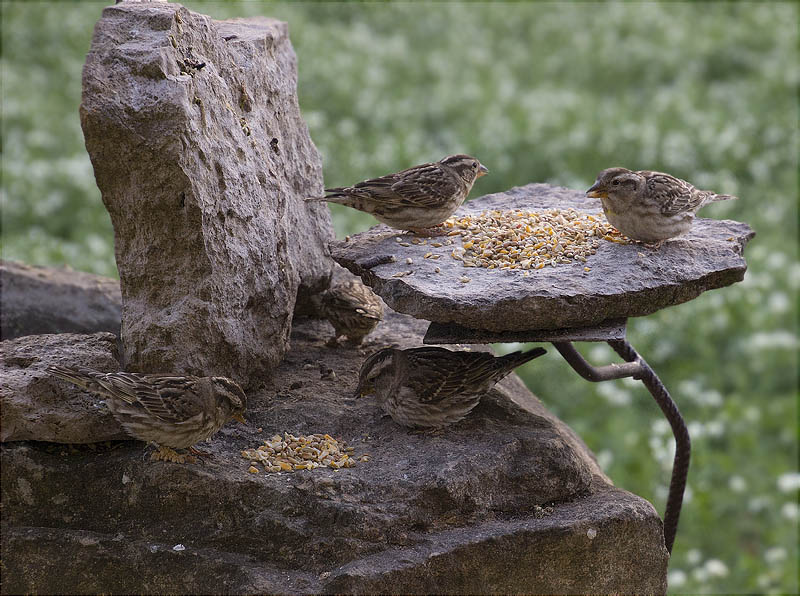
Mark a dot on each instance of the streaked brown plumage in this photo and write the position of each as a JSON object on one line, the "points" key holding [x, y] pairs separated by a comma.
{"points": [[414, 199], [649, 206], [353, 309], [169, 410], [431, 387]]}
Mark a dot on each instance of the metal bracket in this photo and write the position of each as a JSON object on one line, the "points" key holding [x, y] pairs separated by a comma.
{"points": [[613, 333]]}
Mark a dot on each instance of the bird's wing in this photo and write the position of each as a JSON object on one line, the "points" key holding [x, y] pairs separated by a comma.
{"points": [[673, 194], [437, 374], [425, 186], [163, 396]]}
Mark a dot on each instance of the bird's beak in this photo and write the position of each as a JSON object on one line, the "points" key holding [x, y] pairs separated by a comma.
{"points": [[597, 191], [482, 171], [362, 390], [239, 417]]}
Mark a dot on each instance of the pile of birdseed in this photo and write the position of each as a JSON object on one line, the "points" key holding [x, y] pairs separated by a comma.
{"points": [[290, 453], [529, 240]]}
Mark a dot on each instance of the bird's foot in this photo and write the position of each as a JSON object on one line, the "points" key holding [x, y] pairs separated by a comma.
{"points": [[428, 232], [198, 455], [332, 342], [434, 431], [164, 453], [354, 342]]}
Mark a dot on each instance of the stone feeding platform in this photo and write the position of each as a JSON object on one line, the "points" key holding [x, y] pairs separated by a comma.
{"points": [[619, 281]]}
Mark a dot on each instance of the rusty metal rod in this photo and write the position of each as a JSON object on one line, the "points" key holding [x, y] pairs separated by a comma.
{"points": [[595, 374], [683, 445], [636, 367]]}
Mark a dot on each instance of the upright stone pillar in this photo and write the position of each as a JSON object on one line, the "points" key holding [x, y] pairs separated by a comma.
{"points": [[203, 161]]}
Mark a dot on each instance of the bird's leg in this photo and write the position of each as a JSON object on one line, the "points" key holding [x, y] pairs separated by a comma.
{"points": [[654, 245]]}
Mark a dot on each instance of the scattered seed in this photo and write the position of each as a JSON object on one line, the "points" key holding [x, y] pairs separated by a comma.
{"points": [[465, 280], [290, 453], [528, 240], [409, 261]]}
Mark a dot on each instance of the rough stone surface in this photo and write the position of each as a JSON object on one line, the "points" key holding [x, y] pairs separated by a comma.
{"points": [[624, 280], [38, 407], [446, 512], [203, 161], [47, 300]]}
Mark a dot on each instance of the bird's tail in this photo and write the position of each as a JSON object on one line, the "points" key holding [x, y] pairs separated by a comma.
{"points": [[82, 377], [516, 359]]}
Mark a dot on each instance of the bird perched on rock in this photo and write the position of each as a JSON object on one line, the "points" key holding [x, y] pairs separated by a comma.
{"points": [[649, 206], [353, 309], [174, 412], [414, 199], [432, 387]]}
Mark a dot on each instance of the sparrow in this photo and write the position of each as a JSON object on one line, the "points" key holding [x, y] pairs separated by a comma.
{"points": [[174, 412], [432, 387], [353, 309], [415, 199], [650, 207]]}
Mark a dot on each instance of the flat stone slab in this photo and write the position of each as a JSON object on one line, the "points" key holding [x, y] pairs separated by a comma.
{"points": [[204, 161], [624, 280]]}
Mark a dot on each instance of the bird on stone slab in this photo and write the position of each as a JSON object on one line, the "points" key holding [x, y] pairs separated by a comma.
{"points": [[416, 199], [650, 207], [431, 387], [172, 411]]}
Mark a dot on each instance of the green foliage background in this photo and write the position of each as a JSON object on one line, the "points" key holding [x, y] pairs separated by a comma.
{"points": [[539, 92]]}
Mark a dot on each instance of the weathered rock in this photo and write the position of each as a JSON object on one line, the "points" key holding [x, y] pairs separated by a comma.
{"points": [[623, 281], [49, 300], [203, 161], [38, 407], [449, 512]]}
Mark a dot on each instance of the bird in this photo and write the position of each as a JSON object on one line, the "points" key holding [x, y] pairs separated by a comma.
{"points": [[432, 387], [415, 199], [353, 309], [171, 411], [650, 207]]}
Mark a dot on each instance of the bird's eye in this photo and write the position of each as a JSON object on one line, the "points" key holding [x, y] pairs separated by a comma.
{"points": [[615, 183]]}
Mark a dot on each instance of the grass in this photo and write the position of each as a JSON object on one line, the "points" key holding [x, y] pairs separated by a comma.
{"points": [[549, 92]]}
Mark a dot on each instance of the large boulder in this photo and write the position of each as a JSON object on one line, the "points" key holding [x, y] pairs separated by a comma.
{"points": [[203, 161], [508, 500], [49, 300], [36, 406]]}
